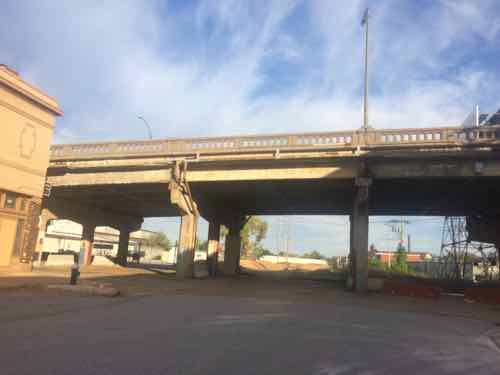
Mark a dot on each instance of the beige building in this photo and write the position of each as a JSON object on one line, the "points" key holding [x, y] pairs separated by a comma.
{"points": [[27, 117]]}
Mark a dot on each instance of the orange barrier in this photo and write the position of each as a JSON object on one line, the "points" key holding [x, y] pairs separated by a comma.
{"points": [[490, 296], [411, 290]]}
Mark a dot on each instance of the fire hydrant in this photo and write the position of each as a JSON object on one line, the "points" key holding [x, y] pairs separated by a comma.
{"points": [[75, 272]]}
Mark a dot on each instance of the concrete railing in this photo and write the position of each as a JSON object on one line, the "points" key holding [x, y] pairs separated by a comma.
{"points": [[334, 140]]}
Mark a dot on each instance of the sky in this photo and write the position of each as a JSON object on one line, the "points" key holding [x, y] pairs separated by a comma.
{"points": [[206, 68]]}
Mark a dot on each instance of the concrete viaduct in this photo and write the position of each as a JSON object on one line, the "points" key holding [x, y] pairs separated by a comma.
{"points": [[425, 171]]}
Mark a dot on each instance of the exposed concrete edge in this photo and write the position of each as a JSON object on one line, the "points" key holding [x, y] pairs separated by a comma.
{"points": [[494, 336], [375, 284], [89, 290]]}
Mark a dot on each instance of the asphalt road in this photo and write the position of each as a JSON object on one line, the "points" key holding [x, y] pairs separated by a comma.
{"points": [[183, 334]]}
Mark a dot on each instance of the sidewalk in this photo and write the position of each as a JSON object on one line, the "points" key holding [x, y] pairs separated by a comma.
{"points": [[57, 278]]}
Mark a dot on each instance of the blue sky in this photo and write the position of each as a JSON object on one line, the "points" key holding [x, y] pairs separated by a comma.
{"points": [[201, 68]]}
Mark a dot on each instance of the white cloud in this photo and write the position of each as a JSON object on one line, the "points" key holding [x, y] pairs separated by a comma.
{"points": [[108, 62], [195, 71]]}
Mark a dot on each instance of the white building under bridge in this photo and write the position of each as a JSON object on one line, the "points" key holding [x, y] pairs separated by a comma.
{"points": [[64, 237]]}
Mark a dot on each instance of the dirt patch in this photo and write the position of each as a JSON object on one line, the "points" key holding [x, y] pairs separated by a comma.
{"points": [[259, 265]]}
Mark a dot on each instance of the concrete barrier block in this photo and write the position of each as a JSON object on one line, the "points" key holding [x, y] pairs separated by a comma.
{"points": [[399, 288], [60, 260], [489, 296]]}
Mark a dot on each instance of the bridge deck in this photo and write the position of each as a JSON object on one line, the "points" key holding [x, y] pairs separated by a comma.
{"points": [[342, 140], [433, 171]]}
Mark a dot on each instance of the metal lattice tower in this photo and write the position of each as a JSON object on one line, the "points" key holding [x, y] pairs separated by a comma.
{"points": [[456, 248]]}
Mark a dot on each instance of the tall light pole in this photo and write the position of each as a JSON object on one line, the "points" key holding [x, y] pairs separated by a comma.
{"points": [[147, 126], [364, 22]]}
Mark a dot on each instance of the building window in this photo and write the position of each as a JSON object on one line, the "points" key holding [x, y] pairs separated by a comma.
{"points": [[10, 200]]}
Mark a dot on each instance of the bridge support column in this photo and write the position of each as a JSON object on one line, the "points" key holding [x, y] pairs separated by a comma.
{"points": [[87, 242], [233, 247], [213, 246], [359, 235], [45, 218], [187, 243], [123, 242]]}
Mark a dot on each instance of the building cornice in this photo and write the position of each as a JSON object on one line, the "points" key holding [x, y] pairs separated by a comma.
{"points": [[14, 82]]}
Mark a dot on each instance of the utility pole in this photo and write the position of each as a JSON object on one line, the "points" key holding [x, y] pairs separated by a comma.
{"points": [[364, 22], [402, 231]]}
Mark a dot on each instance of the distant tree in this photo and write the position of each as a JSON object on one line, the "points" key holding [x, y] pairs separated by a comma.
{"points": [[159, 239], [373, 261], [202, 245], [314, 255], [400, 265], [260, 251], [252, 234], [223, 231]]}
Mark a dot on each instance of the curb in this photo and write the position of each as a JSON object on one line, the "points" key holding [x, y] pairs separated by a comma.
{"points": [[24, 285], [88, 290]]}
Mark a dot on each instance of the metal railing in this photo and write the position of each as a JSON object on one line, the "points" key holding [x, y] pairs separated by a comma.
{"points": [[239, 144]]}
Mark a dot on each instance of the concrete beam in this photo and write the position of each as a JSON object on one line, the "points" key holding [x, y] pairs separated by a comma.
{"points": [[73, 210], [344, 171], [213, 246], [359, 234], [110, 178], [439, 167], [484, 228], [187, 243]]}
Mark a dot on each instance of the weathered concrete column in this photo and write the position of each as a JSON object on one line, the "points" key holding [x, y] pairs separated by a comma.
{"points": [[352, 257], [123, 242], [359, 235], [45, 217], [87, 242], [187, 243], [233, 247], [213, 246]]}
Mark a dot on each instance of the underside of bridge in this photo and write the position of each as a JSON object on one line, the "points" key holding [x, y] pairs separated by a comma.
{"points": [[436, 196], [123, 206], [122, 192]]}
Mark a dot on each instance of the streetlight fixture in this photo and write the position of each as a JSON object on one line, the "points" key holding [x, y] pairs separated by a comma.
{"points": [[147, 126]]}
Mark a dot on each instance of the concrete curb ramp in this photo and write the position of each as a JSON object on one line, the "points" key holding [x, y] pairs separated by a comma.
{"points": [[495, 337], [88, 290]]}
